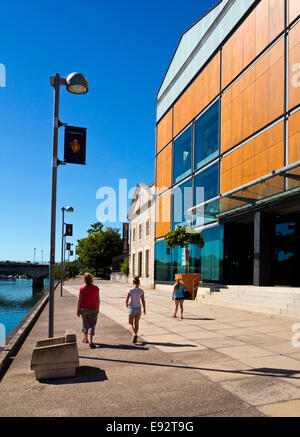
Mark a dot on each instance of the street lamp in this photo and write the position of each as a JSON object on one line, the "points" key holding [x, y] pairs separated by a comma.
{"points": [[62, 267], [34, 255], [75, 83]]}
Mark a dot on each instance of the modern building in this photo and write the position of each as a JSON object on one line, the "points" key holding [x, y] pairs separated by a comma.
{"points": [[228, 145], [141, 216]]}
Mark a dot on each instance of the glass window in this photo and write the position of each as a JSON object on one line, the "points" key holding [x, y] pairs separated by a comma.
{"points": [[182, 152], [147, 228], [147, 264], [206, 186], [140, 263], [133, 264], [140, 232], [208, 260], [181, 201], [162, 264], [179, 262], [207, 136]]}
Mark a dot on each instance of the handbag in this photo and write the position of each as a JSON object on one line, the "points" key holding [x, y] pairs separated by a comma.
{"points": [[187, 294]]}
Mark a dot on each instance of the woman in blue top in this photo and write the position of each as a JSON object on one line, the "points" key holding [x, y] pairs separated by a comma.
{"points": [[178, 297]]}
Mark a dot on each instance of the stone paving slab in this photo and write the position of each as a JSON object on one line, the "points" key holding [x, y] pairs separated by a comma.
{"points": [[262, 390], [244, 351], [220, 342], [282, 409]]}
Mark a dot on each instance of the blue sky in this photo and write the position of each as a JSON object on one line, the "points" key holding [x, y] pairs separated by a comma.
{"points": [[124, 49]]}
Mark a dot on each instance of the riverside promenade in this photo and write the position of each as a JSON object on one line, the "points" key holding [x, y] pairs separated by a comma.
{"points": [[216, 362]]}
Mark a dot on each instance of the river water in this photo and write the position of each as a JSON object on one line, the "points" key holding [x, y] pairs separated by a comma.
{"points": [[17, 298]]}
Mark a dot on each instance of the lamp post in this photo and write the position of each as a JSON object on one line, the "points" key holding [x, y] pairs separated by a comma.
{"points": [[75, 83], [42, 256], [62, 264], [34, 255]]}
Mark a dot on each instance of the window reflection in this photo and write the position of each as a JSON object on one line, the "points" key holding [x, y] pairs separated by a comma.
{"points": [[181, 202], [182, 162], [207, 261], [207, 136], [206, 186], [162, 265]]}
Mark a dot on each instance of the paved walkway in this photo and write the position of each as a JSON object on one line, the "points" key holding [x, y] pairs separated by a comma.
{"points": [[216, 362]]}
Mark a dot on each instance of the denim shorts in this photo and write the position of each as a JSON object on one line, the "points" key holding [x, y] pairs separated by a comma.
{"points": [[134, 311]]}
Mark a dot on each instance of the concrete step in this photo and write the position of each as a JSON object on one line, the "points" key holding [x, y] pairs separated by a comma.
{"points": [[261, 302], [255, 308], [284, 297], [291, 313], [252, 307], [279, 302], [273, 290], [271, 302], [294, 307], [287, 297]]}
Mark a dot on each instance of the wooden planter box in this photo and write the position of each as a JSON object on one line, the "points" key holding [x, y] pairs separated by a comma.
{"points": [[191, 281]]}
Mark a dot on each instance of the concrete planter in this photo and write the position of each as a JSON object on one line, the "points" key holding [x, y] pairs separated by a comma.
{"points": [[191, 281], [55, 357]]}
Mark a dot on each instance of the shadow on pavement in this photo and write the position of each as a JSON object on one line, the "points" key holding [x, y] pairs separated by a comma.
{"points": [[263, 371], [158, 343], [277, 372], [198, 318], [83, 374], [123, 346]]}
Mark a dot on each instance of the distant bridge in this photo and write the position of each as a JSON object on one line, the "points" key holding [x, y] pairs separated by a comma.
{"points": [[33, 270]]}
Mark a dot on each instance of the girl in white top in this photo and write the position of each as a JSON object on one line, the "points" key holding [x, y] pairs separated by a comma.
{"points": [[134, 298]]}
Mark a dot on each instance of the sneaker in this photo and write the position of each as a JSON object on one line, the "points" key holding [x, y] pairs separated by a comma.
{"points": [[84, 340], [134, 340], [92, 345]]}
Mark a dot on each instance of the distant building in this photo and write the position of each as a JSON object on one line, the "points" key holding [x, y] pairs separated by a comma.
{"points": [[141, 216]]}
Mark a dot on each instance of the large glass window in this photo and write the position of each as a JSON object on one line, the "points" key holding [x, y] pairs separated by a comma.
{"points": [[207, 136], [162, 265], [182, 156], [208, 260], [206, 186], [182, 201]]}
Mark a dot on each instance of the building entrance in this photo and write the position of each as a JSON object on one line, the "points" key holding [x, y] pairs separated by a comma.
{"points": [[286, 251], [238, 253], [264, 250]]}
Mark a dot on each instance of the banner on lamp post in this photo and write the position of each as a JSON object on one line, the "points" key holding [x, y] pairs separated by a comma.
{"points": [[69, 230], [75, 145]]}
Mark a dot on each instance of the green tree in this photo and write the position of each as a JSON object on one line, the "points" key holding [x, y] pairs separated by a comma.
{"points": [[125, 266], [182, 237], [96, 251]]}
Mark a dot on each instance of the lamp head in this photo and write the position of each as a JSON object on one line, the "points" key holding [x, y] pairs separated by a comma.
{"points": [[76, 83], [69, 209]]}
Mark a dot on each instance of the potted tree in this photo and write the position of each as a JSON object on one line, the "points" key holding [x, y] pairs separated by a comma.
{"points": [[182, 237]]}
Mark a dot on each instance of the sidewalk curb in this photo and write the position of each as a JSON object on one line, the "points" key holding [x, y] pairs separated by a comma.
{"points": [[22, 333]]}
